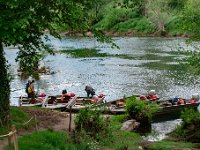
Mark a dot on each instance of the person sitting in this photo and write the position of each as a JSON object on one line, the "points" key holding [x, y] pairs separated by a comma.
{"points": [[152, 95], [143, 97], [90, 91], [180, 101], [174, 100], [194, 99], [65, 97], [41, 97]]}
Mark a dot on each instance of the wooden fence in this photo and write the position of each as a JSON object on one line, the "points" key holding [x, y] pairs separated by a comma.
{"points": [[12, 135]]}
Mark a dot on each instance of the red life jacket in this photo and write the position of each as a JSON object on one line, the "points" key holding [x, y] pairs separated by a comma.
{"points": [[193, 101], [153, 97]]}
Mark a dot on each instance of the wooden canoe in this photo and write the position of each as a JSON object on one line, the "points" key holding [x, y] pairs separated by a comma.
{"points": [[25, 101]]}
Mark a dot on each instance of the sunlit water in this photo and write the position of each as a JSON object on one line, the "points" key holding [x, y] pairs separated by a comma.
{"points": [[141, 64]]}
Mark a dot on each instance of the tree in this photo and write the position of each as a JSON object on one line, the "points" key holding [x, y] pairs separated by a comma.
{"points": [[138, 5], [191, 18], [22, 24], [159, 14], [191, 22]]}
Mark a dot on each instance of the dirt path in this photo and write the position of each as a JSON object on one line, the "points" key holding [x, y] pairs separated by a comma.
{"points": [[47, 119]]}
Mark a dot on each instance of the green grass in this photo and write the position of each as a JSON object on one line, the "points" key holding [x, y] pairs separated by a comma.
{"points": [[48, 140], [123, 139], [167, 145], [18, 117]]}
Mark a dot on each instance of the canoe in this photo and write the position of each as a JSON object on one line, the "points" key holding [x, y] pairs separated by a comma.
{"points": [[82, 102], [55, 102], [25, 101], [167, 111]]}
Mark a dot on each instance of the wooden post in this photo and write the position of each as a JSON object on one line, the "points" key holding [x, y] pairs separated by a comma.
{"points": [[35, 119], [20, 101], [8, 126], [70, 117], [15, 138]]}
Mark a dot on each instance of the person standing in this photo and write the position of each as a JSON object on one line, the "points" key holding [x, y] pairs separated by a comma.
{"points": [[32, 93], [90, 91], [28, 89]]}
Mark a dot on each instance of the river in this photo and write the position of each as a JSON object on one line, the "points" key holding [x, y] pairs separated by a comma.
{"points": [[141, 64]]}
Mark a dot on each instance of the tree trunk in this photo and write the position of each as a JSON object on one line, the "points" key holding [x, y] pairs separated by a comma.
{"points": [[4, 88]]}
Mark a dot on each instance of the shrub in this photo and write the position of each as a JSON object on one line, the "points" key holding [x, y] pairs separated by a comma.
{"points": [[140, 110], [190, 126], [135, 24], [90, 123]]}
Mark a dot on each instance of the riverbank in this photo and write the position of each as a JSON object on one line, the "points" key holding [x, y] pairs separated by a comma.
{"points": [[126, 34], [59, 122]]}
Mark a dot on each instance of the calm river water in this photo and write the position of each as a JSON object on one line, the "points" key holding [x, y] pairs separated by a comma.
{"points": [[141, 64]]}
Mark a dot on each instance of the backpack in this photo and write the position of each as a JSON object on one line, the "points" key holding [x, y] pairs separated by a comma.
{"points": [[26, 88], [29, 89]]}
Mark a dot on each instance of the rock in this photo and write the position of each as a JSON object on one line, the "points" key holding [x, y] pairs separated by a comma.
{"points": [[130, 125]]}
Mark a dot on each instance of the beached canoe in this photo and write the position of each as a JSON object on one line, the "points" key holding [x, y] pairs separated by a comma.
{"points": [[167, 110], [25, 101], [55, 102]]}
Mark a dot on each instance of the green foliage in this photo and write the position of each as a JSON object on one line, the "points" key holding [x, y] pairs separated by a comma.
{"points": [[166, 145], [4, 88], [138, 5], [190, 126], [191, 18], [18, 118], [50, 140], [25, 23], [174, 27], [177, 4], [189, 116], [91, 123], [123, 139], [140, 109], [136, 24], [111, 18]]}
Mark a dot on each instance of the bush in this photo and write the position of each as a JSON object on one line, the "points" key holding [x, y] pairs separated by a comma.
{"points": [[190, 126], [90, 123], [135, 24], [140, 110]]}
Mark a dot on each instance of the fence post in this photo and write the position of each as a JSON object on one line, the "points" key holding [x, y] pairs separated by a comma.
{"points": [[70, 117], [35, 119], [8, 126], [15, 137]]}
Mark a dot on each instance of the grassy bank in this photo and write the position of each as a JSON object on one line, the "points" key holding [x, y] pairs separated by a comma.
{"points": [[50, 139]]}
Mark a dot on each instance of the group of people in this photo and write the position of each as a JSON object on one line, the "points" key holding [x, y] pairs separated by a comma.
{"points": [[91, 94], [30, 90], [173, 101], [179, 100]]}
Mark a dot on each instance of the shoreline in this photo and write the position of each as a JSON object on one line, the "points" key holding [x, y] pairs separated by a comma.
{"points": [[125, 34]]}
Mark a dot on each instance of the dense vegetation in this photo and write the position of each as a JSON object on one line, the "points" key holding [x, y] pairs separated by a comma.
{"points": [[140, 17], [189, 130], [84, 137], [141, 110]]}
